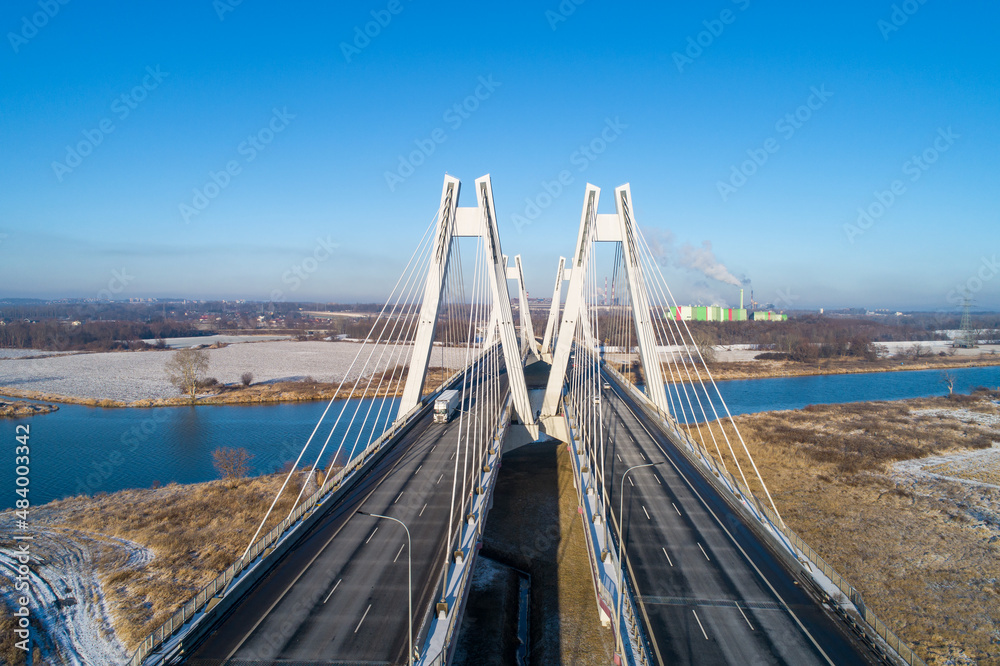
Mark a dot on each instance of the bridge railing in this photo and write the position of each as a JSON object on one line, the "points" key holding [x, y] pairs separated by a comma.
{"points": [[772, 522], [628, 626], [441, 642], [201, 600]]}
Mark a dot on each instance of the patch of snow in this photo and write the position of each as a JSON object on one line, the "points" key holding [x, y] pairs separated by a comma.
{"points": [[66, 593]]}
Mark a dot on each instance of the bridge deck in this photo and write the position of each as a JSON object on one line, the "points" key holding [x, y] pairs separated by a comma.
{"points": [[709, 591], [341, 595]]}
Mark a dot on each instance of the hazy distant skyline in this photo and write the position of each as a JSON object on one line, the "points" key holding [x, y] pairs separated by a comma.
{"points": [[834, 156]]}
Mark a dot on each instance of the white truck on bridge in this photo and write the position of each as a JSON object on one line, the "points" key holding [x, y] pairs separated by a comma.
{"points": [[444, 405]]}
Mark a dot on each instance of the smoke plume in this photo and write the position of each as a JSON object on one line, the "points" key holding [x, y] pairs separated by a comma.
{"points": [[703, 260]]}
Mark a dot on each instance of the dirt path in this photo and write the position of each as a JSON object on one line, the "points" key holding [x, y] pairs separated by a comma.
{"points": [[67, 599]]}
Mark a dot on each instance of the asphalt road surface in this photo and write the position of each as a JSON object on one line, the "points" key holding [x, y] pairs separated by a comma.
{"points": [[341, 594], [709, 591]]}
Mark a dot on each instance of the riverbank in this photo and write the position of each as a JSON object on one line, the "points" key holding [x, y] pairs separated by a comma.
{"points": [[765, 369], [20, 409], [724, 370], [111, 568], [903, 499], [303, 390]]}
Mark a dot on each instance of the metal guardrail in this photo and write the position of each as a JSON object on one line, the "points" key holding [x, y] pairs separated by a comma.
{"points": [[630, 627], [901, 649], [162, 634], [460, 596]]}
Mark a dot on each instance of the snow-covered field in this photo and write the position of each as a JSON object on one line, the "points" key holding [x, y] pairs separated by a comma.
{"points": [[130, 376]]}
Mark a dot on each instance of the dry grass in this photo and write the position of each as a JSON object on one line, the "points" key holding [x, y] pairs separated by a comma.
{"points": [[924, 554], [19, 409], [194, 531]]}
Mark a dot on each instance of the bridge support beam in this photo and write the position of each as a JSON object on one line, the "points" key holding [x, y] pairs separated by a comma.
{"points": [[527, 330], [574, 301], [553, 320], [433, 287], [478, 221], [619, 227], [643, 318]]}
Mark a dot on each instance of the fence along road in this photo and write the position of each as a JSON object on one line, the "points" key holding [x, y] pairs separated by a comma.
{"points": [[341, 594], [709, 591]]}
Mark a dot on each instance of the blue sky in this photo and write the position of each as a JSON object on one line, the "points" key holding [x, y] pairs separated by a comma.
{"points": [[690, 95]]}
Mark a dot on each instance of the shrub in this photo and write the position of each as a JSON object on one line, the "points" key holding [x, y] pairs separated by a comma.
{"points": [[246, 378]]}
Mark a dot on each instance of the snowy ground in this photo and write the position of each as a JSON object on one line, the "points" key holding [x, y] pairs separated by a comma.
{"points": [[979, 468], [66, 593], [132, 376]]}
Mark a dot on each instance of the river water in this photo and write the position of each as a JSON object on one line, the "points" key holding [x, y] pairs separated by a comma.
{"points": [[81, 449]]}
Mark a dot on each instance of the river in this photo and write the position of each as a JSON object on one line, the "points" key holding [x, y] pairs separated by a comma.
{"points": [[91, 449]]}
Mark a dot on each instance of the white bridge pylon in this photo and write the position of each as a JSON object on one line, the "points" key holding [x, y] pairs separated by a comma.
{"points": [[477, 221], [617, 227]]}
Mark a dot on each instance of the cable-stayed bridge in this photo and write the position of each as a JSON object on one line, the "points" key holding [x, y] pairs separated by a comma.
{"points": [[691, 561]]}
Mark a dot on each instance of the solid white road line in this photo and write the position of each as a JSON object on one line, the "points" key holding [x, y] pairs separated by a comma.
{"points": [[669, 561], [700, 625], [333, 590], [398, 553], [372, 534], [704, 553], [745, 617], [676, 509], [370, 607], [646, 512]]}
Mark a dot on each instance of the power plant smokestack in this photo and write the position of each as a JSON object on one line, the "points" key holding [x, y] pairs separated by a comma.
{"points": [[741, 298]]}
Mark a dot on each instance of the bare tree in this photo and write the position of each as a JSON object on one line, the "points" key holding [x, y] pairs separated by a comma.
{"points": [[231, 464], [246, 378], [917, 350], [185, 369], [704, 341], [948, 379]]}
